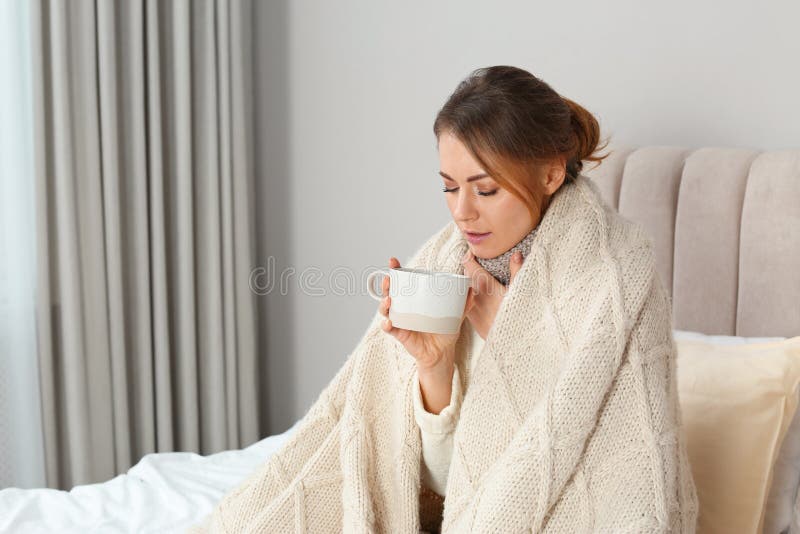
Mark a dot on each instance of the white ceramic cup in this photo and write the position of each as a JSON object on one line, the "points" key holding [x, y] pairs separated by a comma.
{"points": [[422, 300]]}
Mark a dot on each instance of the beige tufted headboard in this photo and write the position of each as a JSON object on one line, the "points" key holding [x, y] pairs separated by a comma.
{"points": [[725, 223]]}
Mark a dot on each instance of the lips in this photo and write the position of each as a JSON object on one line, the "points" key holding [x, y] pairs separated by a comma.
{"points": [[476, 238]]}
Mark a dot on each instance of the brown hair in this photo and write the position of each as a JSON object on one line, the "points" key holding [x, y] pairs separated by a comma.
{"points": [[511, 121]]}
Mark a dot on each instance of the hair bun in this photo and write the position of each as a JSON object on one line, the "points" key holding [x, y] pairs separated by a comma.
{"points": [[587, 138]]}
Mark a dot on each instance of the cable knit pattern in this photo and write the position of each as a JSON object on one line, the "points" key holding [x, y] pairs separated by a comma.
{"points": [[569, 420], [436, 430]]}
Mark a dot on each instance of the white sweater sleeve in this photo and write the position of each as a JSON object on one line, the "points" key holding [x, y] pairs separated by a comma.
{"points": [[436, 432]]}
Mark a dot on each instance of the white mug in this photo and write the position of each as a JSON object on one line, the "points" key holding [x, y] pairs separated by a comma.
{"points": [[422, 300]]}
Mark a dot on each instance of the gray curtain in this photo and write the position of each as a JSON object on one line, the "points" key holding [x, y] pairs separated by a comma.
{"points": [[145, 319]]}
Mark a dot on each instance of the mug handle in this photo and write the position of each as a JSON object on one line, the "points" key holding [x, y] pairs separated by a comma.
{"points": [[371, 282]]}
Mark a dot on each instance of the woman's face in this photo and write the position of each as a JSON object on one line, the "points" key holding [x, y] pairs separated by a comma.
{"points": [[478, 204]]}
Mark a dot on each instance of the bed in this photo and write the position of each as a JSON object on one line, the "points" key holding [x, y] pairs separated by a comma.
{"points": [[163, 492], [726, 227]]}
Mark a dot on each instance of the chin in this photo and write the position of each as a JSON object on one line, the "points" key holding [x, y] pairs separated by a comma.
{"points": [[479, 252]]}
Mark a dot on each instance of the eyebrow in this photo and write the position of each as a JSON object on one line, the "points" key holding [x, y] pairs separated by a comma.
{"points": [[470, 179]]}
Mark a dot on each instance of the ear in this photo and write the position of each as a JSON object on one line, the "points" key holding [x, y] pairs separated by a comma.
{"points": [[555, 175]]}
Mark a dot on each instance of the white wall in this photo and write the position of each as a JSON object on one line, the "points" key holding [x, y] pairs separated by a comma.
{"points": [[346, 94]]}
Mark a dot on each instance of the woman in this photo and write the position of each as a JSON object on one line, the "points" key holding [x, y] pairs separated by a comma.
{"points": [[566, 420], [497, 211], [486, 136]]}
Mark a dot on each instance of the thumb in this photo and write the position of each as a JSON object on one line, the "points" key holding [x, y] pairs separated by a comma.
{"points": [[514, 265]]}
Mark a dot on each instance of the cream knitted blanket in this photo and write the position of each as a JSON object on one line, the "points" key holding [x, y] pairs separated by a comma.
{"points": [[569, 421]]}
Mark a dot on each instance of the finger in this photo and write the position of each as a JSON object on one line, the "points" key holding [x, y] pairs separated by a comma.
{"points": [[515, 264], [399, 334], [393, 264], [482, 281], [470, 300], [385, 282], [386, 326], [384, 307]]}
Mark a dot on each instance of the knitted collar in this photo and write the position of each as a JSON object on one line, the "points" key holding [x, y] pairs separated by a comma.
{"points": [[499, 265]]}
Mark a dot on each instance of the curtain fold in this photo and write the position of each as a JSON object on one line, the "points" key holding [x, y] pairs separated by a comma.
{"points": [[146, 323]]}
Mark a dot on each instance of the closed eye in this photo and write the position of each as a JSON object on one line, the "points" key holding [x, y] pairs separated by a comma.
{"points": [[481, 193]]}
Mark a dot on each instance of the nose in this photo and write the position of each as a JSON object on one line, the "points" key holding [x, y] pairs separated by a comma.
{"points": [[464, 209]]}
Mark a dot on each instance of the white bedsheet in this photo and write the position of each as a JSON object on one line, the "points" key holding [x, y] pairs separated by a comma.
{"points": [[164, 492]]}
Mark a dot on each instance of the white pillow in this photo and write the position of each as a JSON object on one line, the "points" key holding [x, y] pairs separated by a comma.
{"points": [[780, 505], [723, 340]]}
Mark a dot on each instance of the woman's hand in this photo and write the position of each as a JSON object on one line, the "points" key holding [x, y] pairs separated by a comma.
{"points": [[427, 348], [434, 353], [488, 292]]}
